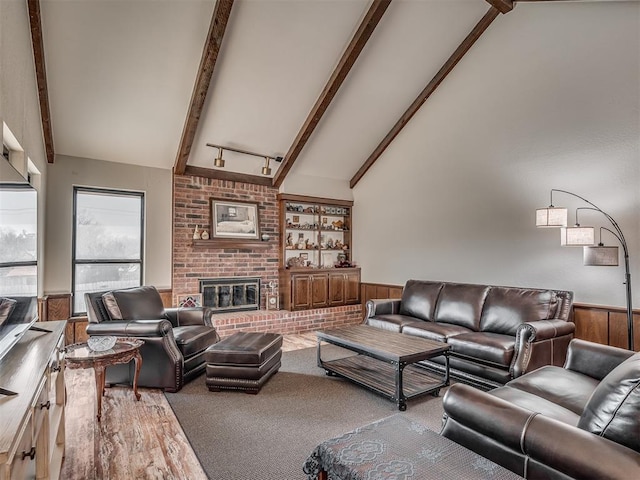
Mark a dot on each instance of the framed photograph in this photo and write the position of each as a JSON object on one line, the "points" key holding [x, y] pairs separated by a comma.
{"points": [[304, 256], [296, 219], [189, 300], [234, 219]]}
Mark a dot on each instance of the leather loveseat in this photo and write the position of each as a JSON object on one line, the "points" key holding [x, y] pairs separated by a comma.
{"points": [[496, 333], [175, 339], [577, 421]]}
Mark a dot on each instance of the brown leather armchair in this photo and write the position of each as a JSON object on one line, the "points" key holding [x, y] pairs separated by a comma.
{"points": [[175, 339]]}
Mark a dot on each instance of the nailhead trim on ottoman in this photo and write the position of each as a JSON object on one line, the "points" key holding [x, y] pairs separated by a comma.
{"points": [[243, 361]]}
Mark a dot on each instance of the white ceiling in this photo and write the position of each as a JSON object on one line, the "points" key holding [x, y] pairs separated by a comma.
{"points": [[121, 73]]}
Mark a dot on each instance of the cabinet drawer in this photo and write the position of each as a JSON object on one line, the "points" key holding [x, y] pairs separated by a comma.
{"points": [[21, 467]]}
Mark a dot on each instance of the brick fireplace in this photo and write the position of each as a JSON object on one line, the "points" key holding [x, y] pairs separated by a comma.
{"points": [[235, 294], [195, 261]]}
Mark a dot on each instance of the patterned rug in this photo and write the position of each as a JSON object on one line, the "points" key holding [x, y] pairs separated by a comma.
{"points": [[237, 436]]}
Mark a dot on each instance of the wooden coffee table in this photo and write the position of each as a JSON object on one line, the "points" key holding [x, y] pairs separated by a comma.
{"points": [[79, 355], [385, 362]]}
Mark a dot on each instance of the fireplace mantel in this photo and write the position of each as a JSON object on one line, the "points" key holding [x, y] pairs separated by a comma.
{"points": [[232, 243]]}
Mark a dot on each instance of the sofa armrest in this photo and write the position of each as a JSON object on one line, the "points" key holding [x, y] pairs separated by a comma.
{"points": [[539, 343], [490, 416], [549, 444], [594, 359], [181, 317], [132, 328], [384, 306], [576, 453]]}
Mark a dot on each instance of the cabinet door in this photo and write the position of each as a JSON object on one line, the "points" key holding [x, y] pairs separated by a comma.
{"points": [[300, 292], [336, 289], [352, 287], [319, 290]]}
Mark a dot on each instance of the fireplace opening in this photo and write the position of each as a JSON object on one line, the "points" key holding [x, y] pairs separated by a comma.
{"points": [[231, 294]]}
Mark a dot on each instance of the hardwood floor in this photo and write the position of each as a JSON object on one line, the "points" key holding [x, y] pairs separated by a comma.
{"points": [[134, 439]]}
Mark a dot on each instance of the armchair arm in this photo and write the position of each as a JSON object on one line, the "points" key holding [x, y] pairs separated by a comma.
{"points": [[543, 342], [576, 453], [183, 316], [593, 359], [550, 445], [132, 328], [382, 307]]}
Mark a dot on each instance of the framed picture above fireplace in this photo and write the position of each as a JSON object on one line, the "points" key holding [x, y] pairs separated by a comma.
{"points": [[234, 219]]}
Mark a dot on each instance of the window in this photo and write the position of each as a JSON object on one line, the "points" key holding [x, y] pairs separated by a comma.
{"points": [[18, 240], [107, 241]]}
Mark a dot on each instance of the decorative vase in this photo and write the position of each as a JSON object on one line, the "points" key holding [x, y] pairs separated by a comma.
{"points": [[205, 235], [196, 234]]}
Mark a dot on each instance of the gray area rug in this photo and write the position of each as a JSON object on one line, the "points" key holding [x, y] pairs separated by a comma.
{"points": [[238, 436]]}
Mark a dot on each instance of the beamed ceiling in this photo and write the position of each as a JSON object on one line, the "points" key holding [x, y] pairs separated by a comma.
{"points": [[325, 84]]}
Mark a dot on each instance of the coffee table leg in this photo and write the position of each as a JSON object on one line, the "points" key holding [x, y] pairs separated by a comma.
{"points": [[99, 374], [401, 400], [138, 363]]}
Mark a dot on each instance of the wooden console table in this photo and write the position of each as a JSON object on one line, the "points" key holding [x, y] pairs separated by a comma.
{"points": [[33, 419]]}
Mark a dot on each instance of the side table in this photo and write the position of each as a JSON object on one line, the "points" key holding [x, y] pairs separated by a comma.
{"points": [[79, 355]]}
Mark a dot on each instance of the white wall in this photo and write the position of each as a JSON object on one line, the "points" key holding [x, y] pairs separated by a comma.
{"points": [[19, 104], [549, 97], [68, 172]]}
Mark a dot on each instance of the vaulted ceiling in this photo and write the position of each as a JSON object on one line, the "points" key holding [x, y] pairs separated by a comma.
{"points": [[325, 84]]}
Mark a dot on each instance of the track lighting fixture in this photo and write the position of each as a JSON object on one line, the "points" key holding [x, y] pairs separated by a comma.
{"points": [[219, 161]]}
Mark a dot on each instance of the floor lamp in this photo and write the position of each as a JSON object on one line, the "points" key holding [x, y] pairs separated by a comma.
{"points": [[594, 255]]}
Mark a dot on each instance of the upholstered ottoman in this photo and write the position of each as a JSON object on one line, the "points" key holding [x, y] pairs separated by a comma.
{"points": [[244, 361]]}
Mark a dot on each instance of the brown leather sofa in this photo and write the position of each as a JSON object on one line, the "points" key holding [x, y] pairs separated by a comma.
{"points": [[577, 421], [175, 339], [496, 333]]}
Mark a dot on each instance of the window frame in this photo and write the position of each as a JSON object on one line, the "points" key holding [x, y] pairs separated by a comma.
{"points": [[74, 262], [23, 263]]}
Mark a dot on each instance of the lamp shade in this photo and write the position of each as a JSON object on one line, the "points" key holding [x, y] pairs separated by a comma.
{"points": [[577, 236], [551, 217], [601, 256]]}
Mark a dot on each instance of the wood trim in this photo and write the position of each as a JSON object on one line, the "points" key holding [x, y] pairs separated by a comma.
{"points": [[225, 175], [217, 28], [505, 6], [35, 22], [306, 199], [232, 243], [453, 60], [349, 57]]}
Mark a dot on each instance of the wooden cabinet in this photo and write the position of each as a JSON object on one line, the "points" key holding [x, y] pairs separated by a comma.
{"points": [[32, 438], [315, 238], [305, 288]]}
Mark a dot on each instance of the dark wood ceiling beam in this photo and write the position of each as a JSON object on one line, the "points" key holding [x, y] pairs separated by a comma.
{"points": [[448, 66], [505, 6], [349, 57], [35, 22], [226, 175], [219, 21]]}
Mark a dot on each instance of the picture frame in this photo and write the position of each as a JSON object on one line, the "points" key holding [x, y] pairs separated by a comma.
{"points": [[189, 300], [234, 219]]}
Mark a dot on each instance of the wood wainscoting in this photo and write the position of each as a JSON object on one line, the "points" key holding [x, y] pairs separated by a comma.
{"points": [[595, 323]]}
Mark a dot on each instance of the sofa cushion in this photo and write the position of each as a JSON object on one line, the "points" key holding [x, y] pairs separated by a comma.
{"points": [[419, 299], [535, 403], [6, 307], [139, 303], [612, 410], [392, 321], [487, 347], [461, 304], [506, 308], [434, 331], [550, 382]]}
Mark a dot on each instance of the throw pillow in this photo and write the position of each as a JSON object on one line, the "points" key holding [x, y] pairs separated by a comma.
{"points": [[6, 307], [139, 303]]}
